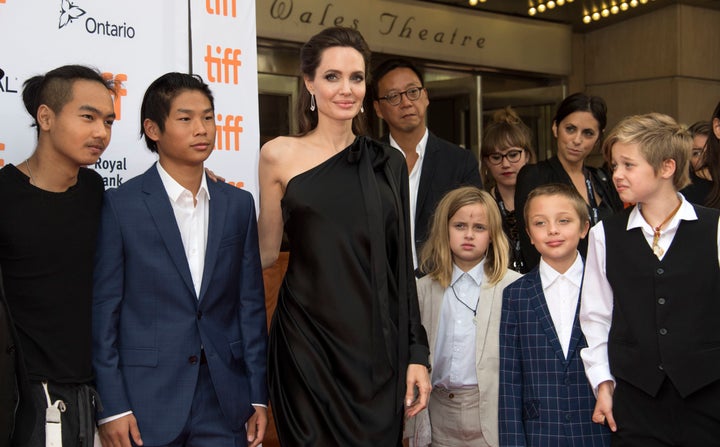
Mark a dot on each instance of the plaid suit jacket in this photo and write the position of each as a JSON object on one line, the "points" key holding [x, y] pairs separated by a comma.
{"points": [[545, 398]]}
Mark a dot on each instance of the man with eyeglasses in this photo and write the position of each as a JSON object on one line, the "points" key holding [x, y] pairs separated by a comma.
{"points": [[435, 166]]}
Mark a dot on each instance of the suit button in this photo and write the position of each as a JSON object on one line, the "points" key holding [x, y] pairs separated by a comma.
{"points": [[661, 301], [660, 271], [199, 315], [193, 359], [663, 331], [568, 416], [451, 396], [661, 368]]}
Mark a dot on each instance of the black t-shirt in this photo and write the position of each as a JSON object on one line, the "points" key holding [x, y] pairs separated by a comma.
{"points": [[47, 248]]}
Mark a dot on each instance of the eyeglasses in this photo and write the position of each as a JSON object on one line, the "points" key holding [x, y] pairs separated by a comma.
{"points": [[394, 98], [512, 156]]}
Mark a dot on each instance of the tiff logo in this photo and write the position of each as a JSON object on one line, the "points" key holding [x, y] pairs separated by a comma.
{"points": [[228, 134], [118, 90], [220, 9], [218, 65], [2, 145]]}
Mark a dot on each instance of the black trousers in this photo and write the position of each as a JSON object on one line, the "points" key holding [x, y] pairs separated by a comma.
{"points": [[75, 420], [666, 419]]}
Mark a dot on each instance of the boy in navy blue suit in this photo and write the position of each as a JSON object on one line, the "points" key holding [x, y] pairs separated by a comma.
{"points": [[545, 399], [651, 309], [179, 332]]}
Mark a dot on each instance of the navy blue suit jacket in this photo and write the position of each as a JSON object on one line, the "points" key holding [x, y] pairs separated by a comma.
{"points": [[148, 323], [545, 398]]}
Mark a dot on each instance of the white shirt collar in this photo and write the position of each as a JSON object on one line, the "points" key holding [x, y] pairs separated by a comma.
{"points": [[422, 144], [686, 212], [549, 275], [175, 189], [476, 273]]}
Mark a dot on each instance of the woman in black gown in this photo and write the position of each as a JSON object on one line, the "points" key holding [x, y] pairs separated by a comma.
{"points": [[346, 336]]}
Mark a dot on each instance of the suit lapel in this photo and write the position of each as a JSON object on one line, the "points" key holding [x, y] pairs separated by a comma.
{"points": [[438, 294], [159, 207], [538, 302], [428, 169], [216, 226], [576, 332], [484, 312]]}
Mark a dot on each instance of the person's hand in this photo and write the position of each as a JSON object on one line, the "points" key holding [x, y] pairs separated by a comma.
{"points": [[256, 426], [603, 407], [417, 378], [117, 433], [214, 177]]}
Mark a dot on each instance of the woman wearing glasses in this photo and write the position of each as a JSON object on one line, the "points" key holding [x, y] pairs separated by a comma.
{"points": [[505, 150], [578, 126]]}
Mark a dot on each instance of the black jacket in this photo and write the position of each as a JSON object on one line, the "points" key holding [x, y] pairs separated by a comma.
{"points": [[445, 166]]}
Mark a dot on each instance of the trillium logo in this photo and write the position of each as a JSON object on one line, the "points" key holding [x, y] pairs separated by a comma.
{"points": [[68, 13]]}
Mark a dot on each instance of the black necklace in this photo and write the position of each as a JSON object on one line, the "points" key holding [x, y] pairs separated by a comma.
{"points": [[474, 311]]}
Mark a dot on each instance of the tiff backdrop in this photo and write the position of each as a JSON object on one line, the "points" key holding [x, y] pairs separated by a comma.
{"points": [[134, 42]]}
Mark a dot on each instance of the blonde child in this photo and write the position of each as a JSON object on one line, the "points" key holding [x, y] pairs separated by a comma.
{"points": [[466, 259], [650, 309], [545, 399]]}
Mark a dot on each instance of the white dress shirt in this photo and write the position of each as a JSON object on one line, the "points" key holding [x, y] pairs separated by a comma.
{"points": [[562, 291], [454, 354], [597, 304], [414, 180], [192, 220]]}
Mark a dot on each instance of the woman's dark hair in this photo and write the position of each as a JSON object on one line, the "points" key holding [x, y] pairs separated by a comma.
{"points": [[580, 102], [54, 88], [159, 97], [310, 57], [712, 161]]}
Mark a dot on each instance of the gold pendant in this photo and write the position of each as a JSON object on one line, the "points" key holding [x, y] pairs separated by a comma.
{"points": [[658, 251]]}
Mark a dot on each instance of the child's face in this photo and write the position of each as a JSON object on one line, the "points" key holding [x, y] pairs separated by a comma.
{"points": [[555, 230], [189, 135], [634, 178], [469, 234]]}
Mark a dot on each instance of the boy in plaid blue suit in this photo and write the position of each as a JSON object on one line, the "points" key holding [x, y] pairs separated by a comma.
{"points": [[545, 398]]}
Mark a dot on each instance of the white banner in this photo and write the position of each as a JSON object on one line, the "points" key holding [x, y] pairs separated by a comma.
{"points": [[224, 53], [135, 42]]}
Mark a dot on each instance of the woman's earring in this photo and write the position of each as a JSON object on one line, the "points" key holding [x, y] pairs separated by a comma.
{"points": [[312, 102], [362, 109]]}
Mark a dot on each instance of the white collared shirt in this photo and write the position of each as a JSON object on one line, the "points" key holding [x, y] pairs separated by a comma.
{"points": [[414, 180], [562, 291], [454, 354], [192, 220], [597, 304]]}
